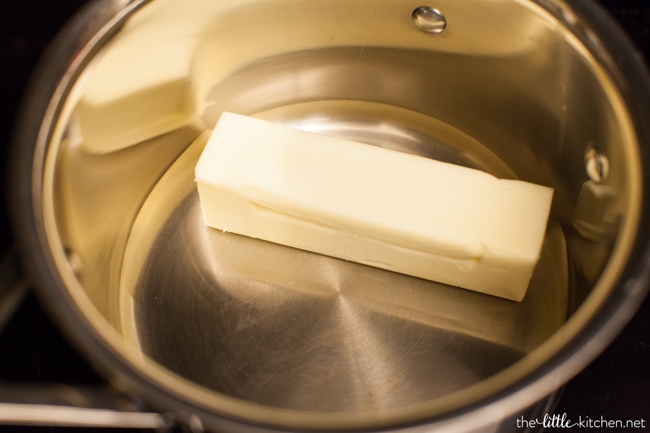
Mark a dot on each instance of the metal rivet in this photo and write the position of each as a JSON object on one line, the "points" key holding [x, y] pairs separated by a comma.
{"points": [[429, 20], [74, 261], [596, 164]]}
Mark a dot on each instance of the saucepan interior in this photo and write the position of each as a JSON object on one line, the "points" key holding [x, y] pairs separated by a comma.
{"points": [[272, 335]]}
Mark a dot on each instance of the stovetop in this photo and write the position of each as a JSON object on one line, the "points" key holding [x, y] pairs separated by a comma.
{"points": [[32, 352]]}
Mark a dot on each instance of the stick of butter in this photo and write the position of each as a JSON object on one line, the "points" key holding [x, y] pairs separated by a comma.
{"points": [[371, 205]]}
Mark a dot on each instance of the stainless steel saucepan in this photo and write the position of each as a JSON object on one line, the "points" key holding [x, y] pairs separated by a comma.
{"points": [[239, 335]]}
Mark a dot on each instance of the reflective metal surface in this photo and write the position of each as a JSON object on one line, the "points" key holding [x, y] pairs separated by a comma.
{"points": [[429, 20], [292, 329], [239, 329]]}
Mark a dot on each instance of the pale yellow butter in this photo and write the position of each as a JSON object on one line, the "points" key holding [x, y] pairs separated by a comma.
{"points": [[366, 204]]}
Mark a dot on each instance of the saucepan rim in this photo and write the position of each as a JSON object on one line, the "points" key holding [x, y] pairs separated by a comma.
{"points": [[586, 334]]}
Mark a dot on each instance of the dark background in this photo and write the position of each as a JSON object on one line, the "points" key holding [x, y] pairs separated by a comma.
{"points": [[615, 386]]}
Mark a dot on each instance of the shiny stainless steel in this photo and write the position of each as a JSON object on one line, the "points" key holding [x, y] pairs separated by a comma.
{"points": [[48, 415], [75, 406], [429, 20], [596, 164], [249, 336]]}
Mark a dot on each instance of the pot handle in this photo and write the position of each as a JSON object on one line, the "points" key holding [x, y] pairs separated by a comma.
{"points": [[75, 406], [63, 405]]}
